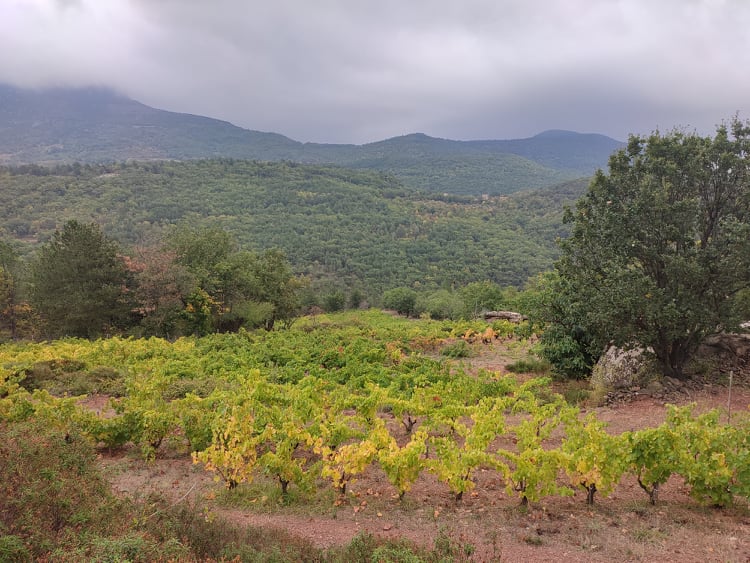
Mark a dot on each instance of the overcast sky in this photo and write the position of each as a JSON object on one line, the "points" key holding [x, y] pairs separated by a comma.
{"points": [[357, 71]]}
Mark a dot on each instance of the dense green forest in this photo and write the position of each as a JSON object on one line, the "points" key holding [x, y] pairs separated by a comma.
{"points": [[338, 227]]}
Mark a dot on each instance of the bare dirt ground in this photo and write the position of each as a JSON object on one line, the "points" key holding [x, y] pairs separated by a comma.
{"points": [[489, 523]]}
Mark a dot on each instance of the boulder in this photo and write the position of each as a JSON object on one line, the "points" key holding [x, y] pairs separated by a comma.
{"points": [[622, 369], [654, 389], [722, 354], [734, 344], [504, 315]]}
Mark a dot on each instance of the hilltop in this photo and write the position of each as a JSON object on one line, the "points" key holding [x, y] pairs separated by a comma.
{"points": [[94, 125]]}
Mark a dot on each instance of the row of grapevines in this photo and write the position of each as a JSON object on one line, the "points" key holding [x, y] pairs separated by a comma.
{"points": [[530, 438], [314, 402]]}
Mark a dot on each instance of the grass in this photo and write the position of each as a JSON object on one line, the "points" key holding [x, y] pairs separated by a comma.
{"points": [[575, 392], [457, 349], [648, 534], [532, 539], [530, 364], [264, 495], [13, 548]]}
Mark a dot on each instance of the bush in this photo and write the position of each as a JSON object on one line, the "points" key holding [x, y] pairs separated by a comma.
{"points": [[395, 554], [569, 354], [483, 296], [334, 301], [506, 329], [402, 300], [442, 304], [52, 484], [459, 349], [366, 548], [67, 376], [136, 547], [217, 539], [529, 365]]}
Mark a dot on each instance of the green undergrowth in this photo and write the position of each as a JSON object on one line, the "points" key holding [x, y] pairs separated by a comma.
{"points": [[458, 349], [530, 364]]}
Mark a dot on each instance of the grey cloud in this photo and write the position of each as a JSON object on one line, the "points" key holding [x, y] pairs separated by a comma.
{"points": [[358, 71]]}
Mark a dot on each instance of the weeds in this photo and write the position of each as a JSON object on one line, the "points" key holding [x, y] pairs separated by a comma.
{"points": [[533, 539], [529, 364], [649, 534], [458, 349], [264, 495]]}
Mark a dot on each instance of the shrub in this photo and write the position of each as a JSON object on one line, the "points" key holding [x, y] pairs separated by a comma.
{"points": [[401, 299], [569, 353], [529, 365], [334, 301], [442, 304], [51, 483], [459, 349]]}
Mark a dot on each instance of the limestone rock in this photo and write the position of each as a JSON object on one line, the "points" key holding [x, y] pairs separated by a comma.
{"points": [[735, 344], [504, 315], [622, 369]]}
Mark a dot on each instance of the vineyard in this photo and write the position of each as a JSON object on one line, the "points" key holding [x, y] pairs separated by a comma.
{"points": [[333, 398]]}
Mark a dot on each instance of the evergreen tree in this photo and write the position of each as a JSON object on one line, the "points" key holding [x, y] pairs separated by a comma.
{"points": [[79, 282]]}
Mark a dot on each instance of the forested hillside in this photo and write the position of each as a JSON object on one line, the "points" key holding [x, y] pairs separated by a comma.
{"points": [[445, 166], [340, 227], [96, 125]]}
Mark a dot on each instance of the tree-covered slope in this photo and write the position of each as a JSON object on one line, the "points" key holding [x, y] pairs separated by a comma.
{"points": [[354, 227], [96, 125], [445, 166], [580, 153]]}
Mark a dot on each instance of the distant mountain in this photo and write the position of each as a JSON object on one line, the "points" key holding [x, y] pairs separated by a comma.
{"points": [[97, 125], [561, 150]]}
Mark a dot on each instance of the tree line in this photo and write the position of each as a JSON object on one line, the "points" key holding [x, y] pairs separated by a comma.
{"points": [[196, 280]]}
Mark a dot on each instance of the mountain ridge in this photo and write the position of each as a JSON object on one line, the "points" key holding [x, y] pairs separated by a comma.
{"points": [[94, 124]]}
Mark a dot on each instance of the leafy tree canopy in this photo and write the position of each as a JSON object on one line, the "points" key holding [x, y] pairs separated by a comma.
{"points": [[661, 244], [401, 299], [233, 287]]}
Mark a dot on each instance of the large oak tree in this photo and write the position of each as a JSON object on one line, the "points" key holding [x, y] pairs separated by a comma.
{"points": [[661, 243]]}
